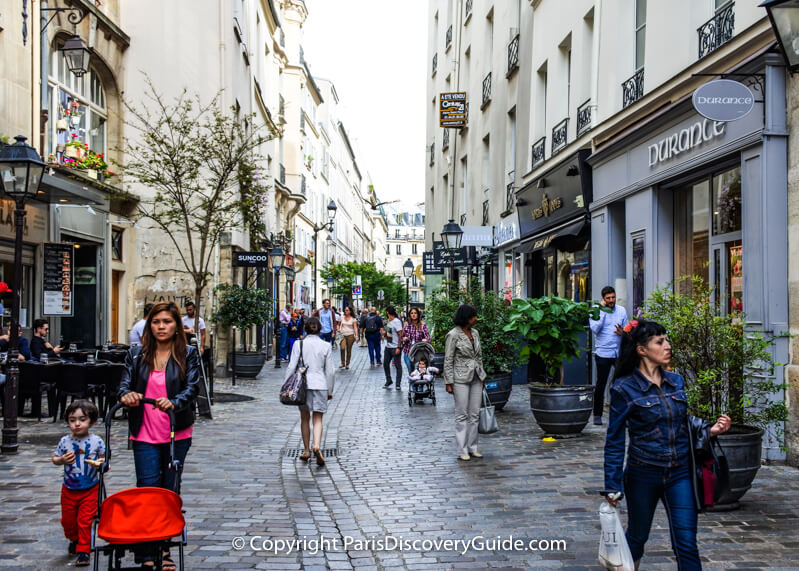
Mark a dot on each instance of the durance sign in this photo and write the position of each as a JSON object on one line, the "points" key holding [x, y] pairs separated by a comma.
{"points": [[724, 100]]}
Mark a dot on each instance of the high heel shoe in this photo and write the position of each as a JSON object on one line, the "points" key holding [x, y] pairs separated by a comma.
{"points": [[320, 461]]}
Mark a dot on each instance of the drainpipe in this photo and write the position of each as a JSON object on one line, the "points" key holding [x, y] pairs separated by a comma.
{"points": [[44, 108], [595, 60], [457, 28]]}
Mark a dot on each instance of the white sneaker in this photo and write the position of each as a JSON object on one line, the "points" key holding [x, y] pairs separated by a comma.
{"points": [[476, 454], [464, 457]]}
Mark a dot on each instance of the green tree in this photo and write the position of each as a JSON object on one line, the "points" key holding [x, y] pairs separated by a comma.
{"points": [[372, 280]]}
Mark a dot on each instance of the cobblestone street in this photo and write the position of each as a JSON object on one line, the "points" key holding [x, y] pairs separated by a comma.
{"points": [[394, 474]]}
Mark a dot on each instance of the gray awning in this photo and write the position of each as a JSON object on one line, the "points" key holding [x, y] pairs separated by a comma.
{"points": [[542, 240], [60, 189]]}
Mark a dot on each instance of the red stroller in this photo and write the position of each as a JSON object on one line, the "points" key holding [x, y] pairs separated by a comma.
{"points": [[130, 518]]}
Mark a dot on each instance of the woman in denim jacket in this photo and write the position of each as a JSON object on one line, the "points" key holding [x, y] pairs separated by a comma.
{"points": [[650, 403]]}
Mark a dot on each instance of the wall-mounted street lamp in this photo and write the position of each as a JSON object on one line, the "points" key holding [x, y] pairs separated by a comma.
{"points": [[784, 16], [407, 271], [77, 55], [452, 234], [278, 257], [331, 215]]}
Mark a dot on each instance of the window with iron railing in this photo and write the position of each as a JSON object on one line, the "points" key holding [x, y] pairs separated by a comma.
{"points": [[435, 63], [463, 220], [282, 175], [509, 202], [717, 31], [485, 213], [584, 118], [560, 135], [445, 140], [633, 89], [449, 37], [302, 185], [486, 90], [302, 120], [414, 249], [468, 9], [281, 110], [432, 154], [302, 56], [282, 38], [539, 151], [513, 55]]}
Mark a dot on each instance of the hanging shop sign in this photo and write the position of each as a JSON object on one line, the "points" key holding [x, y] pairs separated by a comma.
{"points": [[250, 259], [477, 236], [442, 257], [452, 110], [723, 100], [505, 231], [58, 280]]}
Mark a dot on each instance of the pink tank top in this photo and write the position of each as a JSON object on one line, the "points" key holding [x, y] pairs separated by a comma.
{"points": [[155, 425]]}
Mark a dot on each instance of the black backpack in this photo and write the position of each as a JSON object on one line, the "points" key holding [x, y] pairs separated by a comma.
{"points": [[371, 324]]}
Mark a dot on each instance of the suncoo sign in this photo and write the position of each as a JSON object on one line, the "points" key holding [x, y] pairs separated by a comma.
{"points": [[723, 100], [685, 140]]}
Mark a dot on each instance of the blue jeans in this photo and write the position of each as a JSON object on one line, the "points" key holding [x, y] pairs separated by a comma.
{"points": [[152, 464], [327, 336], [373, 341], [284, 342], [644, 485], [408, 363]]}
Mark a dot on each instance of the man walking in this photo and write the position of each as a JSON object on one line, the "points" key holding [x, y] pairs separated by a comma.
{"points": [[392, 332], [372, 326], [608, 331], [362, 326], [190, 319], [328, 318], [284, 317]]}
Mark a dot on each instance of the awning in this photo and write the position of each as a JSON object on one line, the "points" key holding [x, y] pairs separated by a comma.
{"points": [[57, 188], [541, 241]]}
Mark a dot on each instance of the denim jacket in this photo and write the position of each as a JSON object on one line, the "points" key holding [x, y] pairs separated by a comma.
{"points": [[655, 418]]}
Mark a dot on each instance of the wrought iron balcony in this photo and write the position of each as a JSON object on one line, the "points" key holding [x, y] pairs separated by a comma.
{"points": [[302, 184], [485, 213], [282, 175], [717, 31], [449, 37], [486, 90], [509, 197], [432, 153], [445, 140], [539, 151], [513, 56], [468, 8], [463, 220], [435, 63], [560, 136], [633, 89], [302, 120], [584, 118]]}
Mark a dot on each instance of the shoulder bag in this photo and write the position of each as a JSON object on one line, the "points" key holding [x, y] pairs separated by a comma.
{"points": [[294, 389], [710, 473], [487, 423]]}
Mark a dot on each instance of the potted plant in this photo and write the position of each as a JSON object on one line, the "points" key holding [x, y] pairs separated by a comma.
{"points": [[499, 355], [550, 328], [243, 308], [728, 369], [74, 148]]}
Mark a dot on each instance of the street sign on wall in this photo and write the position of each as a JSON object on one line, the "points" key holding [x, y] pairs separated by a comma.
{"points": [[452, 110], [250, 259]]}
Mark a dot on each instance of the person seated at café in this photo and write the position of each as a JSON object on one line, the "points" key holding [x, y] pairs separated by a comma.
{"points": [[189, 322], [23, 346], [137, 331], [39, 343]]}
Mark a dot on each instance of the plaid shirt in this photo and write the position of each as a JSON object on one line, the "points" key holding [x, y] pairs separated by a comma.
{"points": [[412, 334]]}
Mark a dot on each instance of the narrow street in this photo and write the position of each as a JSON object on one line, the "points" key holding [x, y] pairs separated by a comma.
{"points": [[392, 473]]}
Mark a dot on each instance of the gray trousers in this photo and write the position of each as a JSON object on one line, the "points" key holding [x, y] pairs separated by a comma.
{"points": [[468, 398]]}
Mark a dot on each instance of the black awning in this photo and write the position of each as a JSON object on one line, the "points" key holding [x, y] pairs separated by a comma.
{"points": [[541, 241]]}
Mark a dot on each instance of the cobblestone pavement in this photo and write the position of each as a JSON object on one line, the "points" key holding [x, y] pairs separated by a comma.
{"points": [[395, 475]]}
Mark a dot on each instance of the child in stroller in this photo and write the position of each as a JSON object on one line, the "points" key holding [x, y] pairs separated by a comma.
{"points": [[421, 381]]}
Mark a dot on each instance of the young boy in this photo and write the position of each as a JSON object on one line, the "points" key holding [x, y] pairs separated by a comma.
{"points": [[77, 453]]}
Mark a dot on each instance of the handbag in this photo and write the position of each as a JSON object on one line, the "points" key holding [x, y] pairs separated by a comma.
{"points": [[487, 422], [294, 390], [614, 553], [710, 472]]}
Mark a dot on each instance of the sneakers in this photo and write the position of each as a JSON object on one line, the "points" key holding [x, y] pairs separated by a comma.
{"points": [[388, 385], [598, 420], [464, 457], [73, 548], [476, 454], [398, 387], [82, 560]]}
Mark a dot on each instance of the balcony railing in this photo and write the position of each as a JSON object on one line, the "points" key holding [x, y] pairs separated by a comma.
{"points": [[282, 175], [485, 213], [282, 38], [468, 9], [432, 153], [584, 118], [302, 56], [717, 31], [463, 220], [486, 90], [560, 136], [449, 37], [445, 140], [302, 184], [281, 110], [633, 89], [539, 151], [513, 55], [302, 120], [509, 197], [435, 63]]}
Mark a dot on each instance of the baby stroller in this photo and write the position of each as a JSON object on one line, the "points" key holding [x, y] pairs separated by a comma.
{"points": [[418, 390], [130, 518]]}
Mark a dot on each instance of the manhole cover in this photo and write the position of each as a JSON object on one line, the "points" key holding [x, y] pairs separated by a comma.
{"points": [[295, 452], [231, 397]]}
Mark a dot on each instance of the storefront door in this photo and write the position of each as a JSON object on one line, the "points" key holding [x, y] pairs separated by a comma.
{"points": [[82, 328]]}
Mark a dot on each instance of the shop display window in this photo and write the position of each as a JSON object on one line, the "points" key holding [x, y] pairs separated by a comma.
{"points": [[638, 274], [727, 202], [691, 231]]}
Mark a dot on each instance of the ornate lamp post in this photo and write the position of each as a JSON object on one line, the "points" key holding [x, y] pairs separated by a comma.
{"points": [[331, 213], [784, 16], [77, 55], [452, 235], [21, 171], [277, 256], [407, 271]]}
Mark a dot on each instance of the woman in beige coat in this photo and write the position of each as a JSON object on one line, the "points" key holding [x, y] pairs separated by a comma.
{"points": [[464, 376]]}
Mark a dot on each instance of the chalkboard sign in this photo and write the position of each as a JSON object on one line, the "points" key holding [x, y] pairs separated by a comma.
{"points": [[58, 278]]}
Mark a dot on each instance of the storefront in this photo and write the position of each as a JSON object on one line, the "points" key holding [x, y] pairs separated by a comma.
{"points": [[682, 195]]}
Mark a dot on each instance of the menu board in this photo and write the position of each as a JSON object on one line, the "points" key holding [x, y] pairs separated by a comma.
{"points": [[59, 280]]}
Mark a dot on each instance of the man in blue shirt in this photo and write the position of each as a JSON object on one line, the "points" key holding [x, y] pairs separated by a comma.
{"points": [[328, 318], [608, 331]]}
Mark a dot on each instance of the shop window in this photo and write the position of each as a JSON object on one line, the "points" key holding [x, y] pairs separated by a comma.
{"points": [[727, 202], [691, 232], [638, 273]]}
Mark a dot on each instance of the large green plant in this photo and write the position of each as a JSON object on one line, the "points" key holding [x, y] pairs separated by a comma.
{"points": [[728, 368], [550, 327], [240, 307], [493, 312], [372, 281]]}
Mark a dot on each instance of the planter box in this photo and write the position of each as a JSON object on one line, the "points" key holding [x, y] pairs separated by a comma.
{"points": [[562, 410], [742, 446], [91, 173], [498, 387], [248, 365], [73, 152]]}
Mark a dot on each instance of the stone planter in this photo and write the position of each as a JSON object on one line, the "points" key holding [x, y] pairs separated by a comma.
{"points": [[498, 387], [742, 446], [248, 365], [562, 410]]}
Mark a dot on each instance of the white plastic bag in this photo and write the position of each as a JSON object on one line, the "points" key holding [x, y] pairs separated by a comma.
{"points": [[613, 550]]}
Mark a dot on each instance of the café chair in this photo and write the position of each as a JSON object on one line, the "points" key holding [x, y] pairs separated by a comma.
{"points": [[113, 378], [73, 381], [33, 383], [111, 356]]}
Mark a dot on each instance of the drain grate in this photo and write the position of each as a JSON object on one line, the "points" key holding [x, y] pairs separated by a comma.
{"points": [[295, 452]]}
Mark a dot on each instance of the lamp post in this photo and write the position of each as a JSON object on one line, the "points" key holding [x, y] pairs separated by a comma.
{"points": [[452, 235], [330, 284], [21, 171], [784, 16], [407, 271], [331, 213], [277, 256]]}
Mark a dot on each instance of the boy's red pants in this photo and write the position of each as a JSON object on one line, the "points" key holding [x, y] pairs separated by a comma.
{"points": [[78, 507]]}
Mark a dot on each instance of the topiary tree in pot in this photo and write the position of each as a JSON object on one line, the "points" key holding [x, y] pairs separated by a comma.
{"points": [[243, 308], [550, 327], [728, 369]]}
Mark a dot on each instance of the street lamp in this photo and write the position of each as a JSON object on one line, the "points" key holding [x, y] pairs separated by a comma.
{"points": [[407, 271], [452, 235], [331, 213], [277, 256], [21, 171], [77, 55], [784, 16]]}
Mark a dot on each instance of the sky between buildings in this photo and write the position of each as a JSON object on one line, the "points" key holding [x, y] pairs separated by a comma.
{"points": [[375, 51]]}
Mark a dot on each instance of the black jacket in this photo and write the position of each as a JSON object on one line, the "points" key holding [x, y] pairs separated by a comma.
{"points": [[180, 392]]}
